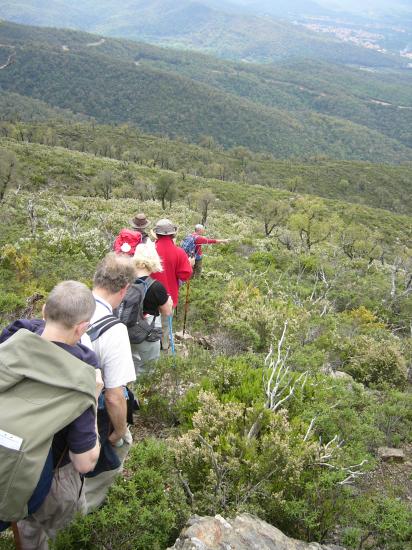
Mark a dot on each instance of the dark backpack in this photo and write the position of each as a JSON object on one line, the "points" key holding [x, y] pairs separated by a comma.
{"points": [[130, 312], [189, 245]]}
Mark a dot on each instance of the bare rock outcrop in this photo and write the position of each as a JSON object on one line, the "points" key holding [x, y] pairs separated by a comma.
{"points": [[245, 532]]}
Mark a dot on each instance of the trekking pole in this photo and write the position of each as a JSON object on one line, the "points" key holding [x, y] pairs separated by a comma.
{"points": [[186, 306], [172, 341], [16, 535]]}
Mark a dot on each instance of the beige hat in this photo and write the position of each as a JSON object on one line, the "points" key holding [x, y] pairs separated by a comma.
{"points": [[165, 227], [140, 221]]}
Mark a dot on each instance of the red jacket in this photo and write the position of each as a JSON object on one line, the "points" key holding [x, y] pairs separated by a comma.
{"points": [[127, 237], [199, 240], [176, 266]]}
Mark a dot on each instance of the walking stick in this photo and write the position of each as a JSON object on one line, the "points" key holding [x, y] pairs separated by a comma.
{"points": [[16, 535], [186, 306], [172, 341]]}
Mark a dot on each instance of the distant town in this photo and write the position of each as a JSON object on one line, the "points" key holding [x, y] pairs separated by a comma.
{"points": [[359, 37]]}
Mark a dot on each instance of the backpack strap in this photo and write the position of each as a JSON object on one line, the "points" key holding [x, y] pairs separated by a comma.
{"points": [[147, 283], [98, 328]]}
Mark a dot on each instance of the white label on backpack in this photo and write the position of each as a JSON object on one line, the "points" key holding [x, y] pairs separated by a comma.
{"points": [[10, 441]]}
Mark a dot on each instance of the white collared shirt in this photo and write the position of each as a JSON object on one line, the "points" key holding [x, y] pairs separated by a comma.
{"points": [[113, 349]]}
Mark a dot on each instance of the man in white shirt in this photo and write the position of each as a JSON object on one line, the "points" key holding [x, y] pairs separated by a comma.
{"points": [[112, 278]]}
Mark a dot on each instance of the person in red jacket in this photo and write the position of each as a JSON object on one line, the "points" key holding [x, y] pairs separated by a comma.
{"points": [[199, 240], [177, 267]]}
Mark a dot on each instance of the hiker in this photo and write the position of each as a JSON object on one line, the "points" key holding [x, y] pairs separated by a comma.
{"points": [[111, 280], [53, 368], [200, 240], [153, 300], [177, 267], [141, 223], [127, 240]]}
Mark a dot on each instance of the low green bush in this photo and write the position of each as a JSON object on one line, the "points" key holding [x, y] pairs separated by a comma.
{"points": [[377, 363], [145, 509], [378, 522]]}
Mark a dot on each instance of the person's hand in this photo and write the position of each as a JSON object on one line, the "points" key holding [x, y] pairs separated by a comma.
{"points": [[224, 241], [192, 261], [116, 439], [99, 383]]}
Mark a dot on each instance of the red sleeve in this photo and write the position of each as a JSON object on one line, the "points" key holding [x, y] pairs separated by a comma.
{"points": [[184, 269], [204, 240]]}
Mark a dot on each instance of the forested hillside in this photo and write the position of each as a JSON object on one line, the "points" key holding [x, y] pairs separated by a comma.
{"points": [[333, 278], [215, 29], [285, 111]]}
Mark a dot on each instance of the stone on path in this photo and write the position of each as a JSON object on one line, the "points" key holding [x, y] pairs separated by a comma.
{"points": [[245, 532], [388, 454]]}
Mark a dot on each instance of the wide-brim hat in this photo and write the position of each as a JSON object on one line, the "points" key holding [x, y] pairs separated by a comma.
{"points": [[165, 227], [140, 221]]}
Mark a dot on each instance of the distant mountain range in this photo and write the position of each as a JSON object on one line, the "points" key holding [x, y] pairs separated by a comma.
{"points": [[297, 110], [241, 32]]}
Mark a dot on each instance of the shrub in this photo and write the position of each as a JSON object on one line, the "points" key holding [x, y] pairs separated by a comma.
{"points": [[379, 522], [377, 363], [10, 302], [145, 509]]}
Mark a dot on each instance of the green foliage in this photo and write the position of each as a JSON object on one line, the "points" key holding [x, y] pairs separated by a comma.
{"points": [[383, 523], [393, 416], [146, 509], [10, 303], [165, 189], [320, 177], [7, 170], [103, 184], [377, 363]]}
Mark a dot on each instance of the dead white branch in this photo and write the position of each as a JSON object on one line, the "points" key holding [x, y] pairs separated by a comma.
{"points": [[278, 382], [328, 452], [309, 430]]}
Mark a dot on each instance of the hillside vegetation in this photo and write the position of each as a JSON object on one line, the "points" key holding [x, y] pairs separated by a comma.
{"points": [[378, 185], [332, 277], [284, 110]]}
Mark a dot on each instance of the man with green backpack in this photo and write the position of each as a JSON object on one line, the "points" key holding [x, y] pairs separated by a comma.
{"points": [[49, 384]]}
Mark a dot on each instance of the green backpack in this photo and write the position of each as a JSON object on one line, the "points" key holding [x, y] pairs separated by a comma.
{"points": [[42, 389]]}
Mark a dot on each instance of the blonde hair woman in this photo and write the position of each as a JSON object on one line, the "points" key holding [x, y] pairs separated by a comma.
{"points": [[156, 302]]}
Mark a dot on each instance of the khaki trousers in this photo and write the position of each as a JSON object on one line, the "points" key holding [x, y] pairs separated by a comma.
{"points": [[96, 488], [64, 500]]}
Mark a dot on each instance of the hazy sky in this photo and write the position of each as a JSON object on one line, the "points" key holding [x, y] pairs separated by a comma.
{"points": [[349, 5], [365, 4]]}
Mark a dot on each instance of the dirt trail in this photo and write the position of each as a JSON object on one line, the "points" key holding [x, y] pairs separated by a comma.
{"points": [[11, 59], [387, 104], [99, 43]]}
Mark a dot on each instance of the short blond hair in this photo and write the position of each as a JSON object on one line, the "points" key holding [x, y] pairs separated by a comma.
{"points": [[69, 303], [146, 257]]}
